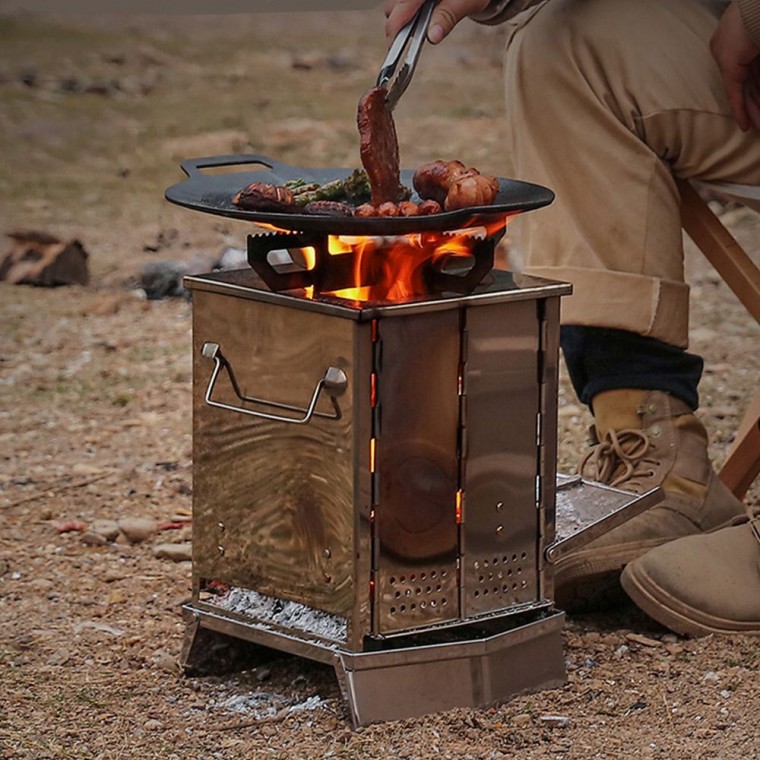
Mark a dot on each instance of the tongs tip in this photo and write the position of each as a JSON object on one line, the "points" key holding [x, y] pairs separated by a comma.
{"points": [[409, 41]]}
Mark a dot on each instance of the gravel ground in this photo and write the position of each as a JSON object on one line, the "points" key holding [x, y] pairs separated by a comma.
{"points": [[95, 386]]}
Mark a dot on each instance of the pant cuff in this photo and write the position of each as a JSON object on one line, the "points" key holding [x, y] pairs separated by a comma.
{"points": [[620, 300]]}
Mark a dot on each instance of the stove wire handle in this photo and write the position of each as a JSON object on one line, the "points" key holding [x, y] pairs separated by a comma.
{"points": [[334, 382], [407, 43]]}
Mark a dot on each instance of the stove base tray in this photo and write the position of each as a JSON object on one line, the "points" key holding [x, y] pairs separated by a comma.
{"points": [[405, 682]]}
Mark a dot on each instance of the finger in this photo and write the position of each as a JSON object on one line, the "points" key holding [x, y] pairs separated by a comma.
{"points": [[448, 13], [398, 13]]}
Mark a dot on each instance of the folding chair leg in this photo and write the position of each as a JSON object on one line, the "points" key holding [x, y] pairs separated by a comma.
{"points": [[742, 465], [743, 277]]}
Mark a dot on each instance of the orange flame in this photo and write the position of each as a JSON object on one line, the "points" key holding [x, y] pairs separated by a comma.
{"points": [[392, 268]]}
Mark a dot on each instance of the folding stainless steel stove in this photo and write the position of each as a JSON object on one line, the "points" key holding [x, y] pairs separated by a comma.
{"points": [[374, 477]]}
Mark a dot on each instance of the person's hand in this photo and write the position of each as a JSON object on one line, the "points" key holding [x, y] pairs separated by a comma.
{"points": [[738, 59], [447, 14]]}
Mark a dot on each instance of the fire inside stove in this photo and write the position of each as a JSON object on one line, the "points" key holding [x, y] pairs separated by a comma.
{"points": [[375, 269]]}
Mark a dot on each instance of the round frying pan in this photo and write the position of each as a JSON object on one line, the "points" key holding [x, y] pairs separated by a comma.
{"points": [[213, 193]]}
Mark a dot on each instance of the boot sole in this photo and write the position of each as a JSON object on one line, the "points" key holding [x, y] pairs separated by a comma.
{"points": [[675, 615]]}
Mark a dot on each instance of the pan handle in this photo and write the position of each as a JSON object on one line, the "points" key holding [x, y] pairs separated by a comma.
{"points": [[334, 382], [192, 166]]}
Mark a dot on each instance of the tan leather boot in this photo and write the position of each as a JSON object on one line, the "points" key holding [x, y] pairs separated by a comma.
{"points": [[702, 584], [644, 439]]}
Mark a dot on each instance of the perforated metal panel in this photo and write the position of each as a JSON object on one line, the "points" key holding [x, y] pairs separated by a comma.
{"points": [[500, 462]]}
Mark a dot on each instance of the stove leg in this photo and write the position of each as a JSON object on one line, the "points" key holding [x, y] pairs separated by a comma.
{"points": [[207, 652]]}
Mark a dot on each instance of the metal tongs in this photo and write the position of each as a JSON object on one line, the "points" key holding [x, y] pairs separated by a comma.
{"points": [[408, 43]]}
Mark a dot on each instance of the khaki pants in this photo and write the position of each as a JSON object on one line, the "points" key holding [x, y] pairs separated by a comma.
{"points": [[606, 101]]}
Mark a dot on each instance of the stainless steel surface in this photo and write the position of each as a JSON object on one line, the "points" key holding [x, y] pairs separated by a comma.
{"points": [[408, 43], [587, 510], [475, 671], [498, 287], [478, 672], [501, 455], [416, 473], [201, 617], [548, 309], [334, 382], [271, 498], [402, 541]]}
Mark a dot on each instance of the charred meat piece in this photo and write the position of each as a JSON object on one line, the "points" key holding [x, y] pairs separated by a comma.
{"points": [[260, 196], [378, 146], [429, 207], [366, 209], [388, 209], [328, 208], [407, 208]]}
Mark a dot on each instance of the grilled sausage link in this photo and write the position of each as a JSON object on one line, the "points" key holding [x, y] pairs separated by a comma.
{"points": [[454, 186], [432, 181], [472, 190]]}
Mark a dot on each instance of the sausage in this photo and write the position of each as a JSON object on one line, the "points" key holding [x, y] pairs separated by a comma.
{"points": [[387, 209], [472, 190], [454, 186], [366, 209], [408, 208], [432, 181], [429, 207]]}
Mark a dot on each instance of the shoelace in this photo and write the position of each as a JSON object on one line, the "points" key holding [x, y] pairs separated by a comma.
{"points": [[618, 448]]}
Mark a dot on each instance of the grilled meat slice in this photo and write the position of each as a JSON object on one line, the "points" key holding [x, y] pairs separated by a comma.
{"points": [[261, 196], [378, 147], [328, 208]]}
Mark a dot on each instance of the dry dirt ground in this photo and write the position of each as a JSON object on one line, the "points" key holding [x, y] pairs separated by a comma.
{"points": [[95, 413]]}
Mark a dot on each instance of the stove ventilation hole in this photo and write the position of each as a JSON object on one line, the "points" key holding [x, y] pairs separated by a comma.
{"points": [[499, 575], [417, 592]]}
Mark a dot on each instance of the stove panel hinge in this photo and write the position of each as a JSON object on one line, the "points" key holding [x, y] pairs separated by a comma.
{"points": [[461, 494], [375, 410]]}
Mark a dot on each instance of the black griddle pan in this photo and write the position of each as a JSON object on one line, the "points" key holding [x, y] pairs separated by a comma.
{"points": [[213, 194]]}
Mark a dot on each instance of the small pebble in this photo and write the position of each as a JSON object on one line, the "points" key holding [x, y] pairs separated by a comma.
{"points": [[117, 596], [109, 529], [59, 657], [263, 674], [164, 661], [93, 539], [710, 676], [644, 641], [153, 725], [621, 650], [523, 719], [174, 552], [669, 638], [137, 529]]}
